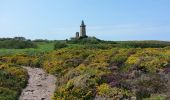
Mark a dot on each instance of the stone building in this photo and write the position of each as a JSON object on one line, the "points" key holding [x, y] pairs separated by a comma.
{"points": [[77, 35], [82, 33], [82, 29]]}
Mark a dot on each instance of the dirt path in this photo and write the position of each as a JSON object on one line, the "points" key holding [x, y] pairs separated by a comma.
{"points": [[40, 86]]}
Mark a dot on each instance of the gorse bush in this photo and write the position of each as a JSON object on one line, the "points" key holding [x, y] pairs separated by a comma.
{"points": [[86, 73], [149, 60], [99, 46], [23, 60], [116, 93], [12, 80], [73, 69]]}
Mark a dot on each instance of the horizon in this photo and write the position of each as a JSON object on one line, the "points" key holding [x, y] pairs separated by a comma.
{"points": [[106, 20]]}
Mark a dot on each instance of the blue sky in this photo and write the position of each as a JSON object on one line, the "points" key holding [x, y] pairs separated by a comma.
{"points": [[105, 19]]}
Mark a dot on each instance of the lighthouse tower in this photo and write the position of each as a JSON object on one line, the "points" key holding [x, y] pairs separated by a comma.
{"points": [[82, 29]]}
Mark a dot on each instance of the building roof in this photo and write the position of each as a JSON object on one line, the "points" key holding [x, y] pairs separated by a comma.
{"points": [[82, 23]]}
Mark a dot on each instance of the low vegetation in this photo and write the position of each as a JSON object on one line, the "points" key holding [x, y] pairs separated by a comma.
{"points": [[59, 45], [16, 43], [12, 80], [144, 44], [112, 73], [94, 70]]}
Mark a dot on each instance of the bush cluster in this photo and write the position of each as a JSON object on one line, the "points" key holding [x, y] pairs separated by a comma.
{"points": [[144, 44], [59, 45], [85, 73], [12, 80], [16, 43]]}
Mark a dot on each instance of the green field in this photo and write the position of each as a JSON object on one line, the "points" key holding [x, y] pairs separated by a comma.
{"points": [[42, 47]]}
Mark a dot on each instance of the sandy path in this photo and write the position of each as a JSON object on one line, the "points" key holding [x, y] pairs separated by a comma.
{"points": [[40, 86]]}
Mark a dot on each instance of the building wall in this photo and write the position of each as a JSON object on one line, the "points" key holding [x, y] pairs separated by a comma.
{"points": [[82, 31], [77, 35]]}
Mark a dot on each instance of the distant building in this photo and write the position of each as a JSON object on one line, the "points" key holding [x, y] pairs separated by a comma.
{"points": [[77, 35], [82, 33], [82, 29]]}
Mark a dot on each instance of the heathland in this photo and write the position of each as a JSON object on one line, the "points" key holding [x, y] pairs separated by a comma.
{"points": [[88, 68]]}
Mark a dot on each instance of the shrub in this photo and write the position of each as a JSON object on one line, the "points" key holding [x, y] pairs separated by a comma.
{"points": [[156, 97], [99, 46], [144, 44], [148, 60], [7, 94], [84, 72], [12, 80], [116, 93], [59, 45], [119, 59], [16, 43], [142, 93], [86, 40]]}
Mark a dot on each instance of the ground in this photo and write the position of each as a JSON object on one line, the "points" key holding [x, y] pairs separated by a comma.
{"points": [[40, 85]]}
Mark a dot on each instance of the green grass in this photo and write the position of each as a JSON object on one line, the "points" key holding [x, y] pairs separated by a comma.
{"points": [[42, 47], [45, 46]]}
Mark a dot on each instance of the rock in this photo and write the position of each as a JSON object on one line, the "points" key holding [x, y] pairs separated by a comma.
{"points": [[42, 98], [39, 85]]}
